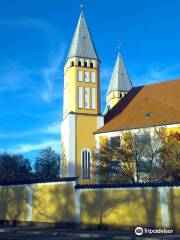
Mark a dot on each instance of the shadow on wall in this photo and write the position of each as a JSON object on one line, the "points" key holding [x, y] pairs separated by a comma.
{"points": [[53, 203], [50, 203], [13, 203], [121, 208], [152, 207], [174, 207], [125, 208]]}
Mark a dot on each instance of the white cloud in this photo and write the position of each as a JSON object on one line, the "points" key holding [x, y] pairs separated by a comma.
{"points": [[13, 77], [106, 73], [51, 129], [16, 77], [153, 74], [50, 75], [25, 148], [54, 128], [41, 24], [45, 83], [156, 74]]}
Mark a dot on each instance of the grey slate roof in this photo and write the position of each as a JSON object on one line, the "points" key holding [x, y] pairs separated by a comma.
{"points": [[82, 44], [120, 80]]}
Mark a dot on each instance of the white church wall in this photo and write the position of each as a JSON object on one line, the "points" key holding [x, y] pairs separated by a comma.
{"points": [[68, 131]]}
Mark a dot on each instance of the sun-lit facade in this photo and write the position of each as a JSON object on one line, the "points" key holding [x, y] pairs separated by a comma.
{"points": [[81, 110], [127, 108]]}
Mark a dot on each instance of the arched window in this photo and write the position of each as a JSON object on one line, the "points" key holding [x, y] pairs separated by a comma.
{"points": [[72, 63], [91, 65], [85, 64], [86, 164], [79, 63]]}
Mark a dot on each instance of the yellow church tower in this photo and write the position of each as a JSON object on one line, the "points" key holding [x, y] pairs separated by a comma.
{"points": [[120, 84], [81, 109]]}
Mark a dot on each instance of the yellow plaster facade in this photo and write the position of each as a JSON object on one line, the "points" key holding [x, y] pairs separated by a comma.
{"points": [[125, 208], [174, 209], [114, 97], [71, 84], [53, 203], [13, 203], [81, 114], [119, 207], [170, 129], [81, 107]]}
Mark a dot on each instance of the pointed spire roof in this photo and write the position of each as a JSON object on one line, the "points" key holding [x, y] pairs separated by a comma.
{"points": [[120, 80], [82, 44]]}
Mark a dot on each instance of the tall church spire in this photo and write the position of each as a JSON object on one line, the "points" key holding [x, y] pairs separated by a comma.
{"points": [[120, 84], [82, 44], [120, 80]]}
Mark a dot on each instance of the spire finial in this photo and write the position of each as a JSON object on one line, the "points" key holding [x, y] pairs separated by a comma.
{"points": [[81, 6], [119, 45]]}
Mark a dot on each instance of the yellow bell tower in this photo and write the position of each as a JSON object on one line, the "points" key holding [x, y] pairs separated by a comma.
{"points": [[81, 109]]}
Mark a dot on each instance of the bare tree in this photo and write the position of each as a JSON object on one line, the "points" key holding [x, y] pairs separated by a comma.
{"points": [[113, 163], [141, 156], [133, 148], [101, 162], [170, 156]]}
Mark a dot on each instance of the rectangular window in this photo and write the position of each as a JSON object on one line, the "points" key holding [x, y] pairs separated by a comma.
{"points": [[115, 141], [142, 139], [80, 94], [93, 80], [86, 98], [86, 76], [93, 98], [86, 164], [80, 76]]}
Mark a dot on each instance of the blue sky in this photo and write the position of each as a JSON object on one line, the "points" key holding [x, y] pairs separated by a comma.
{"points": [[34, 39]]}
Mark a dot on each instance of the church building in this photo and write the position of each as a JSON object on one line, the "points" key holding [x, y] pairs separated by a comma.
{"points": [[128, 108]]}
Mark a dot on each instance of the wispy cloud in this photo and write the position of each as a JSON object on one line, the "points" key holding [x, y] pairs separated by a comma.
{"points": [[106, 73], [45, 83], [25, 148], [152, 74], [51, 129], [50, 76], [14, 77], [54, 128], [156, 74], [41, 24]]}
